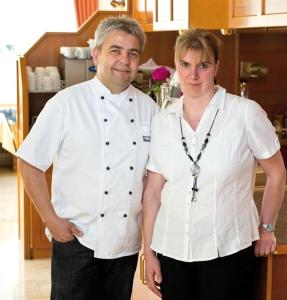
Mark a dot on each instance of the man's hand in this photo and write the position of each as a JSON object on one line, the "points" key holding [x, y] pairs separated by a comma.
{"points": [[62, 230]]}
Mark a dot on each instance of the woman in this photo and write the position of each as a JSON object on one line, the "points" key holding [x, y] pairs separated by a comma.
{"points": [[201, 227]]}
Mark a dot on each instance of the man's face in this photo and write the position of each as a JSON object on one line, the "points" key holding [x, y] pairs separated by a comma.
{"points": [[117, 60]]}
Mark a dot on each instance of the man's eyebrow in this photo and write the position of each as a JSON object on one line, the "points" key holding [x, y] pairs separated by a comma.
{"points": [[130, 50]]}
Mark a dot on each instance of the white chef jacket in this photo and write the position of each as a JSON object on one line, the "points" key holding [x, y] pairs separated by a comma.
{"points": [[98, 144], [224, 219]]}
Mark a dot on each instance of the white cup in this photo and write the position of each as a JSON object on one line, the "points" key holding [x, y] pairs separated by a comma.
{"points": [[68, 52], [47, 83], [56, 81], [31, 81], [81, 52], [39, 73]]}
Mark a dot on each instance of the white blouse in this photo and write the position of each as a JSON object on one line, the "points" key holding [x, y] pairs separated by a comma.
{"points": [[98, 144], [224, 219]]}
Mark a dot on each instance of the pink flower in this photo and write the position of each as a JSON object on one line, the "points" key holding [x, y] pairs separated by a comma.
{"points": [[160, 74]]}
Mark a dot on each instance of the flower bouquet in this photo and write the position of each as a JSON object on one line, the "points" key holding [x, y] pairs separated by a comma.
{"points": [[159, 76]]}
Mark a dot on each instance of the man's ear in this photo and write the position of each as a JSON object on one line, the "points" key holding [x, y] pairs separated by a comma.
{"points": [[96, 53]]}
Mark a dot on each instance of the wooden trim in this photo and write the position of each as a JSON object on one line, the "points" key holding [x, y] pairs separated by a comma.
{"points": [[156, 11], [40, 253], [281, 250], [269, 277], [171, 17]]}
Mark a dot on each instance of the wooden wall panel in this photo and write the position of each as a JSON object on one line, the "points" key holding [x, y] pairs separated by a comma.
{"points": [[160, 46], [271, 49], [227, 75]]}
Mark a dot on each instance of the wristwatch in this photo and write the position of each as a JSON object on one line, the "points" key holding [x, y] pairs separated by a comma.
{"points": [[268, 227]]}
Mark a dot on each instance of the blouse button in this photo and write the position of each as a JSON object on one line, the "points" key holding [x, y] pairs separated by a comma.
{"points": [[105, 120], [102, 97], [106, 192], [125, 215], [108, 168], [107, 143], [130, 192], [134, 143], [132, 120], [102, 215], [130, 99], [131, 167]]}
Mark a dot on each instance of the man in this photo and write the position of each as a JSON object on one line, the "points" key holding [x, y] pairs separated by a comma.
{"points": [[96, 134]]}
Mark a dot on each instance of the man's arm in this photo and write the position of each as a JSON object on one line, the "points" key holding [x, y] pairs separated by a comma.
{"points": [[36, 187], [275, 172]]}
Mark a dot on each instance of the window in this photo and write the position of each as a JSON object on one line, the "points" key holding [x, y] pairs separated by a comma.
{"points": [[22, 23]]}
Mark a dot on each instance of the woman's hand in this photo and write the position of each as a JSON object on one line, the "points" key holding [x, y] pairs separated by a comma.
{"points": [[266, 244], [153, 272]]}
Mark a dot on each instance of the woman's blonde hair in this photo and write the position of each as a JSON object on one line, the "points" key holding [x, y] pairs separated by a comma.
{"points": [[197, 39]]}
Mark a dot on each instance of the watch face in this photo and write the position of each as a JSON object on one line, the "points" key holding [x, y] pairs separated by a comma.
{"points": [[268, 227]]}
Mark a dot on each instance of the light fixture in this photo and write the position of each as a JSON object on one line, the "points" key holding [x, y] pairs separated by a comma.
{"points": [[226, 31]]}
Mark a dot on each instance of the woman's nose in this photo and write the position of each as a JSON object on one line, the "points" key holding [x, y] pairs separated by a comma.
{"points": [[193, 72]]}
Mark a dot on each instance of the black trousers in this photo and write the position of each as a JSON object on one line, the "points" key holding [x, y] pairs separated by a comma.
{"points": [[77, 275], [225, 278]]}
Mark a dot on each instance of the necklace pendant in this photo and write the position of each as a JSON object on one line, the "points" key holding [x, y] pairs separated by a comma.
{"points": [[195, 170]]}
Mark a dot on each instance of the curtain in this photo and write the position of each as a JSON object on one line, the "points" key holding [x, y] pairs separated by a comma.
{"points": [[84, 9]]}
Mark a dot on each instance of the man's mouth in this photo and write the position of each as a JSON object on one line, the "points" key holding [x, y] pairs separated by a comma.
{"points": [[122, 70]]}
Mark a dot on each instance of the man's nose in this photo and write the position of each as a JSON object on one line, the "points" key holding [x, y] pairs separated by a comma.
{"points": [[125, 58]]}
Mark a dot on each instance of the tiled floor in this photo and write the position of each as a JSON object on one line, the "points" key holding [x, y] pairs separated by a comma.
{"points": [[19, 279]]}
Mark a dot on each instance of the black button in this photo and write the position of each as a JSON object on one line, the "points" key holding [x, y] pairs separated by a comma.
{"points": [[134, 143], [105, 120], [102, 97], [107, 143], [130, 192], [106, 192], [130, 99], [125, 215], [131, 167], [108, 168], [102, 215], [132, 120]]}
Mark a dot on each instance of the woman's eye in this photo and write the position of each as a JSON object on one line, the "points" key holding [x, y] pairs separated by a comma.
{"points": [[184, 64], [203, 66]]}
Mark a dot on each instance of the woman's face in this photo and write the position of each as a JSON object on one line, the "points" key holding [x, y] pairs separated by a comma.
{"points": [[196, 74]]}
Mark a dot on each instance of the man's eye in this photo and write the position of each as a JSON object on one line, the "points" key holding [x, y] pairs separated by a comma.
{"points": [[116, 51], [134, 54]]}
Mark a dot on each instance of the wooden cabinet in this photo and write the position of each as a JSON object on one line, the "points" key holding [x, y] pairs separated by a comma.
{"points": [[213, 14], [142, 11], [272, 276], [184, 14], [257, 13]]}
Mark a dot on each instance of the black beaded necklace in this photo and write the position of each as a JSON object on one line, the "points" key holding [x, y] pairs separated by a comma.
{"points": [[195, 168]]}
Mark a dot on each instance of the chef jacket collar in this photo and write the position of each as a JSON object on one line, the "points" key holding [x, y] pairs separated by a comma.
{"points": [[104, 91], [217, 101]]}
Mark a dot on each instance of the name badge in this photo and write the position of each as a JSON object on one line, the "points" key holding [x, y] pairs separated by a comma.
{"points": [[146, 138]]}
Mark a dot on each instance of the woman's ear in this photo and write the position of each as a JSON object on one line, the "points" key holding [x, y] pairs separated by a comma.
{"points": [[216, 68]]}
